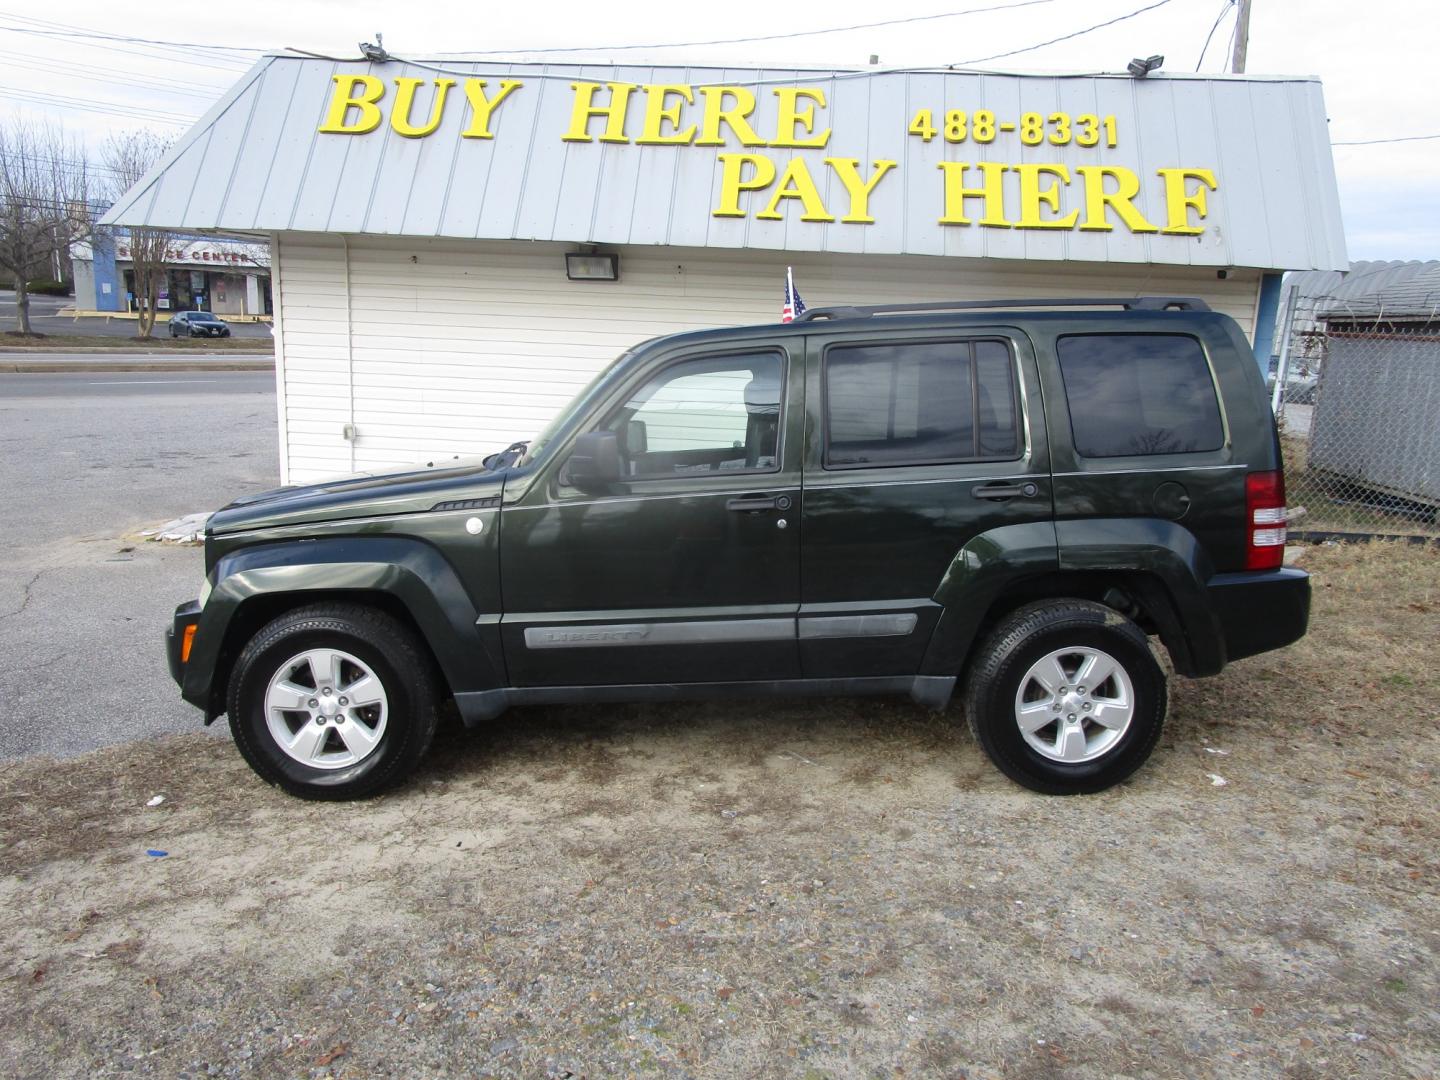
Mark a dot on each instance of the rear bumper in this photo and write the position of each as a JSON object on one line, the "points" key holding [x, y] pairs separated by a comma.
{"points": [[187, 614], [1257, 612]]}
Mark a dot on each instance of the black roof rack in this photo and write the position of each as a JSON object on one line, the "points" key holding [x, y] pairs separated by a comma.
{"points": [[1134, 303]]}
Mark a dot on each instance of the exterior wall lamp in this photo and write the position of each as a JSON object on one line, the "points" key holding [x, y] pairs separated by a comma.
{"points": [[588, 266]]}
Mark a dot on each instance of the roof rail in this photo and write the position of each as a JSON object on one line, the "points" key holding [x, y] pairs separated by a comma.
{"points": [[1134, 303]]}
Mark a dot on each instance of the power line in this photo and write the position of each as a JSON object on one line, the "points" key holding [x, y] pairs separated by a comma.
{"points": [[115, 43], [757, 37], [1063, 37], [144, 82], [1213, 27], [70, 66], [71, 30], [152, 57], [1398, 138], [33, 97], [74, 163], [1230, 45], [65, 99]]}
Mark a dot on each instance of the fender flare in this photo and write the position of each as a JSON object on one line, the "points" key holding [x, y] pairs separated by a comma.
{"points": [[412, 572], [1166, 552], [1154, 550], [980, 571]]}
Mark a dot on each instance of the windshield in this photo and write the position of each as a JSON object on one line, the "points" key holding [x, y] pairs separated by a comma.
{"points": [[202, 316], [539, 444]]}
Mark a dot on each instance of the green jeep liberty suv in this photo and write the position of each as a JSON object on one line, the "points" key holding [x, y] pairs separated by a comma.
{"points": [[1008, 498]]}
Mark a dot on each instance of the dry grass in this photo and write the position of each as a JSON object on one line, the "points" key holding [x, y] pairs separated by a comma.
{"points": [[1333, 503], [12, 341], [808, 890]]}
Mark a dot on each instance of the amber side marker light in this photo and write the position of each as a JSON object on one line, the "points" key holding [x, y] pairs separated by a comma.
{"points": [[185, 642]]}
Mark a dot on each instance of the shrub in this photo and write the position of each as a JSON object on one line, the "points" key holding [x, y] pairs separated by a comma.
{"points": [[48, 287]]}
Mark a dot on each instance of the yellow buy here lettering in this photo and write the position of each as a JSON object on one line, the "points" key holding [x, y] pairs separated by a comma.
{"points": [[355, 105]]}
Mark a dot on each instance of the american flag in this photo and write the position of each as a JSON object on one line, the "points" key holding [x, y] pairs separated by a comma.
{"points": [[794, 306]]}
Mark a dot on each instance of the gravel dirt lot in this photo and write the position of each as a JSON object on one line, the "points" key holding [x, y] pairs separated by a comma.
{"points": [[799, 890]]}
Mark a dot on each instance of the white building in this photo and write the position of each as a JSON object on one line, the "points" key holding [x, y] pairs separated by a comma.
{"points": [[227, 277], [419, 215]]}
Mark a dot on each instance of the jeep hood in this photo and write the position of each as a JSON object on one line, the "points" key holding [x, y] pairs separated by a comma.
{"points": [[360, 495]]}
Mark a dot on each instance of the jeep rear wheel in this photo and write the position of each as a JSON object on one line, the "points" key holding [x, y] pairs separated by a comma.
{"points": [[333, 701], [1065, 697]]}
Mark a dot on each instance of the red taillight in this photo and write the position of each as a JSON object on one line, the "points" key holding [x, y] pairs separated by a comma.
{"points": [[1264, 520]]}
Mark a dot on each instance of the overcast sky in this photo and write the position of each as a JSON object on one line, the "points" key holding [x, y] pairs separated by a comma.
{"points": [[1377, 60]]}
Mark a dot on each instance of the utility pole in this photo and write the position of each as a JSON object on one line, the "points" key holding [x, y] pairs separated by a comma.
{"points": [[1242, 39]]}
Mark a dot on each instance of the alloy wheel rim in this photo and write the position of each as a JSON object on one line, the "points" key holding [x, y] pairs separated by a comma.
{"points": [[1074, 705], [326, 709]]}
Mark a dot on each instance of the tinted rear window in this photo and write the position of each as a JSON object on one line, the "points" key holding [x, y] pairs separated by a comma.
{"points": [[1139, 394], [908, 404]]}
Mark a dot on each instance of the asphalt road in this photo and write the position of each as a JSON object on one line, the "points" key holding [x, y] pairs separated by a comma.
{"points": [[45, 318], [91, 459]]}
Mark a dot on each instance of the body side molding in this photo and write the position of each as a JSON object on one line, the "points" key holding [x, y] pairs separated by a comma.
{"points": [[478, 706]]}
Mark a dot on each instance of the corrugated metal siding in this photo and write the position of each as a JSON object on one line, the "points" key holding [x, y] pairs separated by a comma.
{"points": [[476, 344], [257, 163]]}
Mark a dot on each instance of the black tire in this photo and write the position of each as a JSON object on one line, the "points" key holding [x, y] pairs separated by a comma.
{"points": [[391, 652], [224, 333], [1025, 637]]}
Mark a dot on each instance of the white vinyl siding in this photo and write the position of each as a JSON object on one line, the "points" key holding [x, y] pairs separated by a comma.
{"points": [[433, 348]]}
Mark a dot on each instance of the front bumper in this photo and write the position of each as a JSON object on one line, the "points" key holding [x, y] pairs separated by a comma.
{"points": [[186, 615], [1258, 612]]}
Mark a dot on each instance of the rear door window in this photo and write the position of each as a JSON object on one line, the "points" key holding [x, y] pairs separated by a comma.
{"points": [[904, 403], [1139, 394]]}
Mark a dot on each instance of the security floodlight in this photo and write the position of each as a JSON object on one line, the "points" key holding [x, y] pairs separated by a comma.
{"points": [[375, 53], [590, 266], [1140, 68]]}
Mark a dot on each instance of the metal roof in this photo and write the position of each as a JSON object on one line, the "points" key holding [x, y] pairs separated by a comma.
{"points": [[257, 163], [1367, 291]]}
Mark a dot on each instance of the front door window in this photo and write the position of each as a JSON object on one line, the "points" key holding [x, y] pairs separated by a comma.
{"points": [[703, 416]]}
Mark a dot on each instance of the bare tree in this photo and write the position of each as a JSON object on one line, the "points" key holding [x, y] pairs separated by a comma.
{"points": [[128, 157], [44, 201]]}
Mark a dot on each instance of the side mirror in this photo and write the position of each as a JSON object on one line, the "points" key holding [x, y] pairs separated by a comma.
{"points": [[594, 461]]}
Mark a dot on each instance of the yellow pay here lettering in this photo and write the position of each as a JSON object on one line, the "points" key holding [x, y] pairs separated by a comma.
{"points": [[740, 173], [1107, 194]]}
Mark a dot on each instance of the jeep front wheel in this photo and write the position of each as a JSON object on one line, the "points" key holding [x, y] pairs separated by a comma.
{"points": [[333, 701], [1065, 697]]}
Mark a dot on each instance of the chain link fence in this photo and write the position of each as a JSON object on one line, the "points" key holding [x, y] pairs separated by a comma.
{"points": [[1358, 403]]}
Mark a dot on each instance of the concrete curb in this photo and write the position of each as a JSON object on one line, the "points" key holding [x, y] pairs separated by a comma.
{"points": [[39, 367]]}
